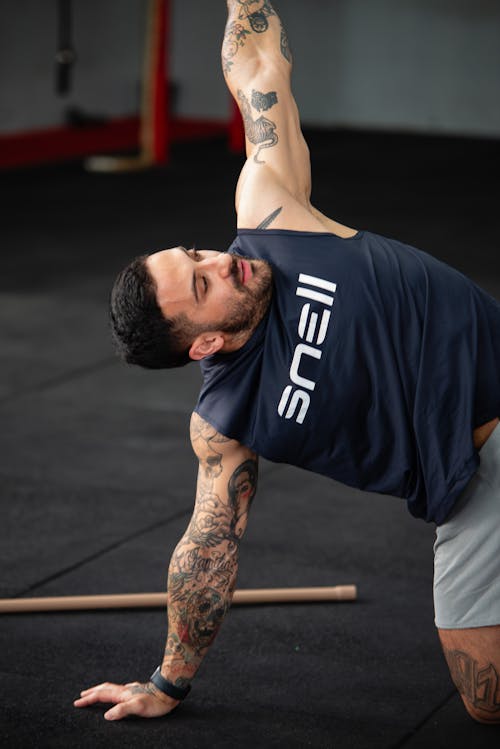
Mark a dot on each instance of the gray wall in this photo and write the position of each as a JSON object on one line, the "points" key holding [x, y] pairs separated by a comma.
{"points": [[426, 65], [108, 35], [418, 64]]}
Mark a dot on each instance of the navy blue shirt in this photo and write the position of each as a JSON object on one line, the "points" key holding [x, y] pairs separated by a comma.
{"points": [[373, 365]]}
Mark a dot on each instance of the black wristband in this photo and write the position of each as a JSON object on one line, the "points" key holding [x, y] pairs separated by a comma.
{"points": [[166, 686]]}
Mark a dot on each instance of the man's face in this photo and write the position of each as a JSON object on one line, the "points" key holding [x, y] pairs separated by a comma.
{"points": [[216, 291]]}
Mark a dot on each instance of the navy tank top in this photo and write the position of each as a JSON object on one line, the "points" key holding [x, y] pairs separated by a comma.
{"points": [[373, 365]]}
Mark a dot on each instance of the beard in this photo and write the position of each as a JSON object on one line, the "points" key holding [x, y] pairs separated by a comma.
{"points": [[250, 302], [247, 310]]}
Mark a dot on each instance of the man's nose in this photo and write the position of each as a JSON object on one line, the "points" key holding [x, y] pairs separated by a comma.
{"points": [[221, 264]]}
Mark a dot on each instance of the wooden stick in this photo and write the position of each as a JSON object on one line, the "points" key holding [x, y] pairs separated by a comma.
{"points": [[156, 600]]}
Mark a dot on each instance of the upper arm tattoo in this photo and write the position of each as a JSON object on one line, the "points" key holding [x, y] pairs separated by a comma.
{"points": [[261, 102], [285, 45], [269, 220], [262, 131], [205, 436]]}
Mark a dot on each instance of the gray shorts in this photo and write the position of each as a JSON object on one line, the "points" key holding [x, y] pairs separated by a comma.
{"points": [[467, 550]]}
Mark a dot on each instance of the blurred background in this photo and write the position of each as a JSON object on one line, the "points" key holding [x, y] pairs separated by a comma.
{"points": [[400, 105], [426, 66]]}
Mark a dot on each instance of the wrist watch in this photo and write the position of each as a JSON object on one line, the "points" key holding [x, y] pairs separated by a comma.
{"points": [[166, 686]]}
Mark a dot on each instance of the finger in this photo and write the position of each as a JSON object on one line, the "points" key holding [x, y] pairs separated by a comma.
{"points": [[89, 699], [103, 693], [130, 707], [99, 686]]}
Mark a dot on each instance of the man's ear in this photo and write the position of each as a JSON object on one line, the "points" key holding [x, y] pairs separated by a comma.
{"points": [[205, 345]]}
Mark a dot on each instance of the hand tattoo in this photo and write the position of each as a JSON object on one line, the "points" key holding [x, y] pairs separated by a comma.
{"points": [[144, 689]]}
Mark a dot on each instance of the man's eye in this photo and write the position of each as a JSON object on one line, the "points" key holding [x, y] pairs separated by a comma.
{"points": [[204, 286]]}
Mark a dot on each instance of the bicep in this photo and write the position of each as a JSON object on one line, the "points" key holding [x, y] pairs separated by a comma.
{"points": [[272, 124], [276, 149], [226, 485]]}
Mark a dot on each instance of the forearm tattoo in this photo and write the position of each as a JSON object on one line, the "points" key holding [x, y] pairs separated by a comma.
{"points": [[203, 568], [247, 17], [479, 686]]}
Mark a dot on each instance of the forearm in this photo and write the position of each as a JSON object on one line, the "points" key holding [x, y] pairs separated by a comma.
{"points": [[254, 35], [201, 582], [204, 565]]}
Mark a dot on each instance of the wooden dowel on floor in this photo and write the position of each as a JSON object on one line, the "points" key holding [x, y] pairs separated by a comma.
{"points": [[159, 600]]}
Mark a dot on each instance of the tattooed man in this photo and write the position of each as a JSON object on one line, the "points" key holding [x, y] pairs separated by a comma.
{"points": [[337, 350]]}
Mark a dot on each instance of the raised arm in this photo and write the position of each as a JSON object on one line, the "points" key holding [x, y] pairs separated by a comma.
{"points": [[274, 188], [201, 577], [257, 64]]}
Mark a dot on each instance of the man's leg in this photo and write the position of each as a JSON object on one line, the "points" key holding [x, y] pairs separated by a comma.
{"points": [[467, 588], [473, 656]]}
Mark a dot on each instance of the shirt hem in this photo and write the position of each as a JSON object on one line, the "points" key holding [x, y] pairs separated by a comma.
{"points": [[295, 232]]}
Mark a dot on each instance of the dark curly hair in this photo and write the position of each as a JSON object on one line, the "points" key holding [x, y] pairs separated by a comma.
{"points": [[141, 333]]}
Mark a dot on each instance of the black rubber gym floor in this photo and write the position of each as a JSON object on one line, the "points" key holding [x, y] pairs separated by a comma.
{"points": [[97, 475]]}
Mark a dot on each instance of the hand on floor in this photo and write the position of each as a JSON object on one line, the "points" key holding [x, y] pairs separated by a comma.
{"points": [[143, 700]]}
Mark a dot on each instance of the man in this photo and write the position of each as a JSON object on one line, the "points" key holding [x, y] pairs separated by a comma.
{"points": [[337, 350]]}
